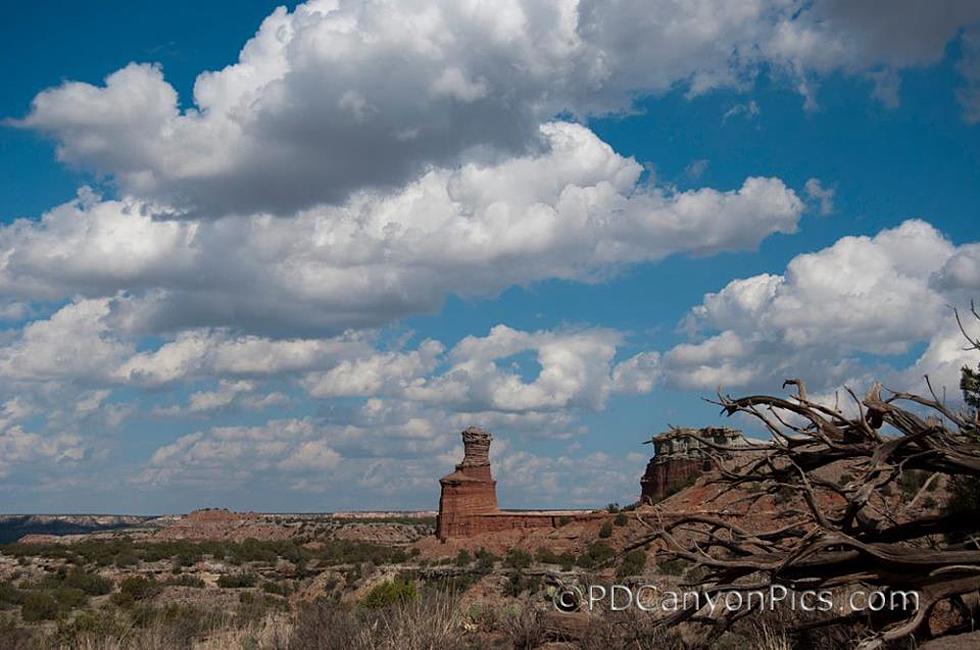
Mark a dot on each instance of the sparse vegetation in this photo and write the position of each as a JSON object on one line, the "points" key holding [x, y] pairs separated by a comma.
{"points": [[595, 554], [237, 580], [391, 592], [605, 531], [633, 563]]}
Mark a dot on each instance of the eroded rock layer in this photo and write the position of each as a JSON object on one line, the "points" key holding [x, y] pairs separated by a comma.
{"points": [[468, 500], [680, 457]]}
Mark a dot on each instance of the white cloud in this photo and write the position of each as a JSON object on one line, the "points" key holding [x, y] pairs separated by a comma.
{"points": [[202, 353], [21, 447], [824, 196], [574, 210], [75, 342], [575, 369], [335, 97], [377, 374], [872, 296]]}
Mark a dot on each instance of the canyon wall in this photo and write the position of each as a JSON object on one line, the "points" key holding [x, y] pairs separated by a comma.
{"points": [[680, 457]]}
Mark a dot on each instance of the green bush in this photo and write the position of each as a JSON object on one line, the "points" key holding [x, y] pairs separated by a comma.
{"points": [[485, 560], [612, 508], [595, 554], [10, 596], [605, 531], [276, 588], [39, 606], [135, 589], [125, 559], [567, 561], [633, 563], [70, 598], [620, 519], [91, 583], [517, 559], [518, 583], [463, 557], [546, 556], [237, 580], [390, 593], [98, 624], [186, 581]]}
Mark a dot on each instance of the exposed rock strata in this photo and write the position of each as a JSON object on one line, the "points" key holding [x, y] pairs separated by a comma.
{"points": [[468, 499], [680, 458]]}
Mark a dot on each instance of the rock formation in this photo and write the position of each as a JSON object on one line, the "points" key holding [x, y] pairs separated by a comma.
{"points": [[468, 500], [470, 490], [680, 458]]}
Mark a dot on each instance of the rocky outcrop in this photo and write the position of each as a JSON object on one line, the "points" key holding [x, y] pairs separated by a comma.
{"points": [[468, 498], [219, 524], [468, 491], [680, 457]]}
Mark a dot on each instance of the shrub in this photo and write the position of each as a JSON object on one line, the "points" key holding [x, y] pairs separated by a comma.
{"points": [[463, 557], [10, 596], [633, 563], [236, 580], [430, 621], [595, 554], [518, 583], [69, 598], [135, 589], [517, 559], [391, 592], [620, 519], [567, 561], [564, 520], [185, 580], [39, 606], [546, 556], [98, 624], [125, 559], [612, 508], [278, 589], [91, 583], [605, 531]]}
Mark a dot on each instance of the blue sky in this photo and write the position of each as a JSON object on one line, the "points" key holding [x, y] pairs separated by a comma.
{"points": [[384, 224]]}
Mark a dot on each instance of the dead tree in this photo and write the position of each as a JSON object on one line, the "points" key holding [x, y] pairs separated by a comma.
{"points": [[842, 535]]}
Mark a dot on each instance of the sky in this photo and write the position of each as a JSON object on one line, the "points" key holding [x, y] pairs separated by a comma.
{"points": [[277, 258]]}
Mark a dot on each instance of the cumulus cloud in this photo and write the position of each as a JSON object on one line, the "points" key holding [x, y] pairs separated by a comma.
{"points": [[20, 447], [872, 296], [75, 342], [575, 369], [202, 353], [336, 97], [572, 369], [573, 211], [824, 196]]}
